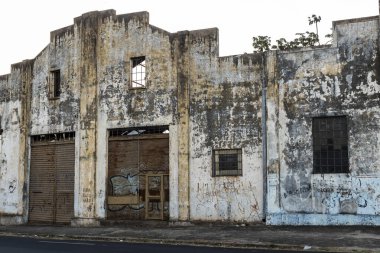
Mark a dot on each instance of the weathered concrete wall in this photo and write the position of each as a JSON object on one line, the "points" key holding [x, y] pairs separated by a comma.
{"points": [[87, 26], [341, 80], [61, 114], [177, 64], [209, 102], [53, 115], [121, 38], [14, 106], [225, 113], [94, 56], [181, 58], [10, 109]]}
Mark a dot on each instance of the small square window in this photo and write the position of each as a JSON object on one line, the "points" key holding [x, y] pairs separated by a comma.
{"points": [[138, 74], [55, 83], [227, 162]]}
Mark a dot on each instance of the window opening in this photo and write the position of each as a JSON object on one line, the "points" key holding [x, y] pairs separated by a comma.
{"points": [[132, 131], [138, 73], [330, 145], [227, 162], [70, 136], [55, 85]]}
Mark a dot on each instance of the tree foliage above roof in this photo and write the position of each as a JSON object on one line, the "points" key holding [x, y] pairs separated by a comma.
{"points": [[306, 39]]}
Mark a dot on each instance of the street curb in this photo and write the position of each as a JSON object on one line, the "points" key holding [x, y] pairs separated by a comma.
{"points": [[203, 243]]}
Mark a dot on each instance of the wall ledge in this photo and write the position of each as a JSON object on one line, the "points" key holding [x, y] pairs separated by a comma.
{"points": [[299, 219], [12, 220]]}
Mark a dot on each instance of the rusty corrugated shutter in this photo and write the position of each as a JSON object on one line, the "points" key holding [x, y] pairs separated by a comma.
{"points": [[51, 190], [65, 163], [154, 155], [42, 178], [123, 156]]}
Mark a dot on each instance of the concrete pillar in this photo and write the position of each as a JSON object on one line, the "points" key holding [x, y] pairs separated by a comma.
{"points": [[25, 97], [273, 155], [183, 77], [378, 32], [87, 26]]}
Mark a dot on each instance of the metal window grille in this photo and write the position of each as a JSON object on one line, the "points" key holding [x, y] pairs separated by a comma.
{"points": [[56, 83], [138, 73], [330, 145], [70, 136], [132, 131], [227, 162]]}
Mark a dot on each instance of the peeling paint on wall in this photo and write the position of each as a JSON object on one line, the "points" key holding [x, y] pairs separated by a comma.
{"points": [[333, 81], [208, 102]]}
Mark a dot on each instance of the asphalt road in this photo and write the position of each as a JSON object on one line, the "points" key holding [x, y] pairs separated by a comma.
{"points": [[41, 245]]}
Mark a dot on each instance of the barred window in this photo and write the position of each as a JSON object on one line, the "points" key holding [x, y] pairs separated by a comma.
{"points": [[138, 73], [330, 145], [1, 129], [227, 162]]}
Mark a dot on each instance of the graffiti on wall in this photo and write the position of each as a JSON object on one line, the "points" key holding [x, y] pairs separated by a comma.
{"points": [[125, 185], [348, 195], [12, 186], [226, 199]]}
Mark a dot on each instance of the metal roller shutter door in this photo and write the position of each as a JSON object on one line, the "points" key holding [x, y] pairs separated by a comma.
{"points": [[52, 183], [41, 194], [65, 163]]}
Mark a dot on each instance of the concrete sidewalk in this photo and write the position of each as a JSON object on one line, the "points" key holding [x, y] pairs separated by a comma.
{"points": [[331, 239]]}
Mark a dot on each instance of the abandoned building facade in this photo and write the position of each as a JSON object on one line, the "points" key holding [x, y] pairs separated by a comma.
{"points": [[117, 119]]}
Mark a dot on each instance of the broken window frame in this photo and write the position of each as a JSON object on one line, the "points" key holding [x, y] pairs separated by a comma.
{"points": [[134, 131], [227, 162], [330, 145], [52, 138], [138, 72], [55, 84]]}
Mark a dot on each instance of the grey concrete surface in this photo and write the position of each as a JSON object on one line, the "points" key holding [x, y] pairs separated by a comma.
{"points": [[302, 238]]}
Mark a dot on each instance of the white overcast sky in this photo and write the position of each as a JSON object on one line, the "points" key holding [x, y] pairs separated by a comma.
{"points": [[25, 25]]}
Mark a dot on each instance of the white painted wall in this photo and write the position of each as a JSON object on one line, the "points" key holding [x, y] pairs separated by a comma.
{"points": [[226, 198], [10, 187]]}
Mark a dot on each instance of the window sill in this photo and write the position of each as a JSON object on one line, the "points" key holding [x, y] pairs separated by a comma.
{"points": [[227, 175], [54, 98], [137, 88]]}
